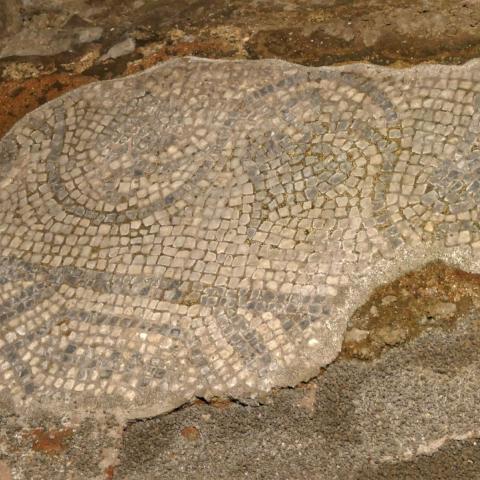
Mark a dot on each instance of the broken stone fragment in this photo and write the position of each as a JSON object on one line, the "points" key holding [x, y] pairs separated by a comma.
{"points": [[119, 50], [89, 34], [190, 433]]}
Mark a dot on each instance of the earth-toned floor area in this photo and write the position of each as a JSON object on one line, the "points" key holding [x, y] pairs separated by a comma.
{"points": [[49, 47], [178, 246]]}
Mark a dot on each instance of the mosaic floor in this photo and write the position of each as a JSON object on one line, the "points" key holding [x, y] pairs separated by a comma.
{"points": [[206, 228]]}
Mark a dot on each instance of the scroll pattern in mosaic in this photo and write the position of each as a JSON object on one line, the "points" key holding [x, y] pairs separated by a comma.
{"points": [[200, 228]]}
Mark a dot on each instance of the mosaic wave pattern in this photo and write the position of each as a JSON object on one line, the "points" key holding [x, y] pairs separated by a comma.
{"points": [[202, 228]]}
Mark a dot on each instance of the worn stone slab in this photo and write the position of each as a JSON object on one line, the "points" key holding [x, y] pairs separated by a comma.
{"points": [[206, 228]]}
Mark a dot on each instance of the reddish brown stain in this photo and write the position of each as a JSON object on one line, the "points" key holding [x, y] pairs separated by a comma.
{"points": [[19, 98], [147, 62], [221, 404], [109, 472], [50, 442], [190, 433]]}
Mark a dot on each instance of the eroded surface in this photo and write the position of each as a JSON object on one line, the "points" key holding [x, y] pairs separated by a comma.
{"points": [[78, 40], [432, 297], [207, 228]]}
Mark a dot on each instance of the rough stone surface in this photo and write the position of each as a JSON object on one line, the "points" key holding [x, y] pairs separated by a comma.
{"points": [[207, 228], [46, 40]]}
